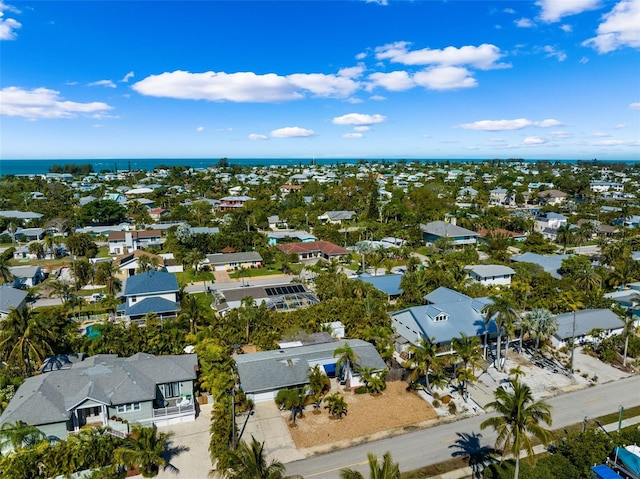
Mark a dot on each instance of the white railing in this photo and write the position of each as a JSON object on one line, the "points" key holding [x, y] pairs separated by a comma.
{"points": [[173, 411]]}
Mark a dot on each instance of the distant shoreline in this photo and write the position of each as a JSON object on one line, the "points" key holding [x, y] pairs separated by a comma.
{"points": [[41, 166]]}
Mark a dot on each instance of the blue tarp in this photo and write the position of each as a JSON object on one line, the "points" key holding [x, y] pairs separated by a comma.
{"points": [[604, 472]]}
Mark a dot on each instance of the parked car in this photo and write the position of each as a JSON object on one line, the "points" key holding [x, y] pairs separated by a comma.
{"points": [[95, 297]]}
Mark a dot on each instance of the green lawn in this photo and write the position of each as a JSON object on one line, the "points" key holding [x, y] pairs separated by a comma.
{"points": [[252, 273]]}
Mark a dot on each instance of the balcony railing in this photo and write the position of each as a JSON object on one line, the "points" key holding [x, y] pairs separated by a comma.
{"points": [[174, 411]]}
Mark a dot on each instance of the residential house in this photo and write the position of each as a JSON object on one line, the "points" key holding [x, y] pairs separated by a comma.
{"points": [[26, 276], [314, 249], [336, 217], [275, 223], [286, 189], [579, 325], [10, 299], [491, 274], [550, 263], [264, 373], [26, 216], [104, 390], [552, 197], [151, 292], [605, 186], [233, 202], [129, 263], [158, 214], [467, 194], [548, 223], [289, 236], [29, 234], [448, 314], [450, 232], [276, 297], [389, 284], [234, 261], [501, 196], [483, 235], [127, 241]]}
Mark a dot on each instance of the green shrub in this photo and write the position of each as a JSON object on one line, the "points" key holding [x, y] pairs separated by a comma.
{"points": [[361, 390]]}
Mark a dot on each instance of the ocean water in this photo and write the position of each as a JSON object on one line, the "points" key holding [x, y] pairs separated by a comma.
{"points": [[27, 167]]}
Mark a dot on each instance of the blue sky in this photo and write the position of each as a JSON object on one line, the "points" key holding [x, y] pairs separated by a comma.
{"points": [[551, 79]]}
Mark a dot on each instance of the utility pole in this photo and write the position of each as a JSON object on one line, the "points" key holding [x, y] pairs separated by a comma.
{"points": [[233, 412], [620, 419]]}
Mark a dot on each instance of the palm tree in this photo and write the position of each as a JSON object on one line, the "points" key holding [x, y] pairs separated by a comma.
{"points": [[19, 434], [502, 312], [143, 449], [542, 324], [629, 322], [587, 279], [61, 290], [5, 272], [387, 469], [336, 405], [468, 350], [319, 383], [24, 340], [422, 359], [249, 461], [192, 311], [519, 416], [564, 236], [571, 299], [294, 400], [347, 358]]}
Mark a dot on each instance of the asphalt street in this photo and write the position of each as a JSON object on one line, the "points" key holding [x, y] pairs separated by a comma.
{"points": [[431, 446]]}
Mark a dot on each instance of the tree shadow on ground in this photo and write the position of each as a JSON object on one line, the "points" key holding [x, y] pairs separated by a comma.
{"points": [[479, 456]]}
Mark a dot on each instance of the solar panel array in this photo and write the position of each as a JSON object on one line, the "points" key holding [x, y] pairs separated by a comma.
{"points": [[289, 289]]}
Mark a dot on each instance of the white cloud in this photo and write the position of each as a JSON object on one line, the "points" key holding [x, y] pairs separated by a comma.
{"points": [[361, 56], [600, 134], [503, 125], [635, 105], [547, 123], [200, 129], [620, 28], [524, 23], [43, 103], [566, 28], [445, 78], [8, 26], [620, 125], [483, 57], [509, 10], [554, 10], [561, 135], [362, 128], [291, 132], [393, 81], [614, 142], [553, 53], [358, 119], [256, 136], [127, 77], [247, 86], [377, 98], [352, 135], [105, 83], [383, 3]]}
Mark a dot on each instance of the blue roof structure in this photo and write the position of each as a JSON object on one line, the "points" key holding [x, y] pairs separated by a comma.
{"points": [[550, 263], [151, 305], [604, 472], [449, 314], [387, 283], [151, 282]]}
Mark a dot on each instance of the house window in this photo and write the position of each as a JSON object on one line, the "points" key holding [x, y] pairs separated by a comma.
{"points": [[134, 299], [441, 317], [134, 406], [171, 390]]}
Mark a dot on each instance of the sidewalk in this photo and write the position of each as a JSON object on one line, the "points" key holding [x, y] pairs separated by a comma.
{"points": [[466, 472]]}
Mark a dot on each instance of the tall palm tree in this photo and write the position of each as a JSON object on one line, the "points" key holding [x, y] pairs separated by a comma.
{"points": [[347, 359], [5, 272], [572, 299], [19, 434], [61, 290], [249, 461], [422, 359], [192, 311], [24, 340], [502, 312], [387, 469], [587, 279], [542, 324], [468, 350], [143, 449], [519, 417]]}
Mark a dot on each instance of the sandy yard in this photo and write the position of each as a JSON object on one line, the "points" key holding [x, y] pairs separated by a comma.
{"points": [[367, 415]]}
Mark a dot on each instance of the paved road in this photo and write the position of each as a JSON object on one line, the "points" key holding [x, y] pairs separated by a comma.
{"points": [[431, 446]]}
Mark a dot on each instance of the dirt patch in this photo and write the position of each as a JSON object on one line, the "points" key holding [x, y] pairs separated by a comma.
{"points": [[367, 415]]}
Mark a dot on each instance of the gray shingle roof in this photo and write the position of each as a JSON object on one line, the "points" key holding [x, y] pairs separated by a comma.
{"points": [[488, 270], [48, 397], [11, 298], [281, 368], [226, 258], [444, 229]]}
